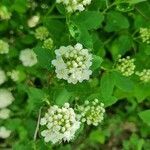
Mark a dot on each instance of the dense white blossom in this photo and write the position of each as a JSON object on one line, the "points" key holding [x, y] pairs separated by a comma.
{"points": [[4, 133], [33, 21], [28, 57], [2, 77], [60, 123], [126, 65], [91, 112], [4, 13], [145, 35], [41, 33], [6, 98], [4, 113], [144, 75], [74, 5], [73, 63], [4, 47]]}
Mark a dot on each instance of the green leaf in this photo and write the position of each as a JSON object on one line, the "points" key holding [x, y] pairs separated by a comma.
{"points": [[136, 1], [36, 97], [145, 116], [97, 136], [122, 82], [97, 60], [61, 96], [115, 21], [141, 92], [121, 45], [106, 89], [44, 57], [20, 6], [107, 85], [93, 19]]}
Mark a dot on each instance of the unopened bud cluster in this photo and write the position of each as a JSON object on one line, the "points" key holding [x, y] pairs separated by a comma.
{"points": [[60, 123], [145, 35], [48, 43], [74, 5], [14, 75], [73, 63], [126, 65], [91, 112], [41, 33], [144, 75]]}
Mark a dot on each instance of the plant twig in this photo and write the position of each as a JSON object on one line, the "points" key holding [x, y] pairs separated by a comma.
{"points": [[38, 123]]}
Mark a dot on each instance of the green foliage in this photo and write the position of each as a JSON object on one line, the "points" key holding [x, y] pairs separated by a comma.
{"points": [[145, 116], [107, 29], [115, 21]]}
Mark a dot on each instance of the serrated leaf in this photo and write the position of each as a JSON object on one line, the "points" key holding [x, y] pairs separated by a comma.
{"points": [[106, 89], [96, 63], [93, 19], [35, 100], [115, 21], [122, 82]]}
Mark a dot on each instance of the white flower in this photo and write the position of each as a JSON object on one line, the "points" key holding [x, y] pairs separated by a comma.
{"points": [[144, 75], [6, 98], [60, 123], [73, 63], [33, 21], [125, 65], [4, 133], [74, 5], [28, 57], [2, 77], [4, 47], [4, 113], [91, 112]]}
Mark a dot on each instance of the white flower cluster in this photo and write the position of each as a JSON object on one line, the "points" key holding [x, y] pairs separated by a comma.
{"points": [[6, 98], [145, 35], [33, 21], [28, 57], [2, 77], [4, 113], [73, 63], [4, 47], [126, 66], [61, 124], [74, 5], [4, 13], [4, 133], [91, 112], [144, 75]]}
